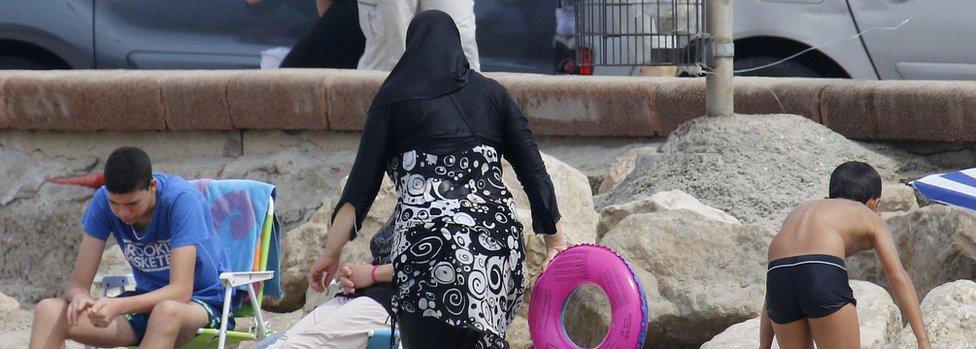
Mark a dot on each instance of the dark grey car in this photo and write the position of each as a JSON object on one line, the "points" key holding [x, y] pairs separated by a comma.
{"points": [[225, 34]]}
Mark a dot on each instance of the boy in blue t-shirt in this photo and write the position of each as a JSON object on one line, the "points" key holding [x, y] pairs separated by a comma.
{"points": [[164, 228]]}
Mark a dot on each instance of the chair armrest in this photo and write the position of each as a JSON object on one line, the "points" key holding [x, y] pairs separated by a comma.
{"points": [[245, 277]]}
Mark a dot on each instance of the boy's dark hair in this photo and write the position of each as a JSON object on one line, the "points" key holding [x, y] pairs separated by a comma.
{"points": [[855, 180], [127, 170]]}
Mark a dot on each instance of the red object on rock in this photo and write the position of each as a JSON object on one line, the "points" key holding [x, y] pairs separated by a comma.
{"points": [[91, 180]]}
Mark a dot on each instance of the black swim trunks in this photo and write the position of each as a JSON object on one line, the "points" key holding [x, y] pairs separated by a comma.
{"points": [[808, 286]]}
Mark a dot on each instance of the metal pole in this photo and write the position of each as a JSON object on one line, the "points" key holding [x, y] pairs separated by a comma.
{"points": [[718, 84]]}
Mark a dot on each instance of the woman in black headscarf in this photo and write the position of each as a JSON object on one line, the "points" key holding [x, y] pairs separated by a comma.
{"points": [[439, 130]]}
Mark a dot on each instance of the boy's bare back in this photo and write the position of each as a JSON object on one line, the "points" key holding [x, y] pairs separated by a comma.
{"points": [[808, 295], [836, 227]]}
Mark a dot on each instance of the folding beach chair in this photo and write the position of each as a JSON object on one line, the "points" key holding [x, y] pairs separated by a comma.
{"points": [[248, 281]]}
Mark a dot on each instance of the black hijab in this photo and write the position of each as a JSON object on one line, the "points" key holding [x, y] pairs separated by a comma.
{"points": [[432, 65]]}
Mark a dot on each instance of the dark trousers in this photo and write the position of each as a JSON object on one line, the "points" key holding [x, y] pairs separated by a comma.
{"points": [[335, 41], [418, 332]]}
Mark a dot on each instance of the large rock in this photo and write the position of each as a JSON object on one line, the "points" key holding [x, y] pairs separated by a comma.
{"points": [[592, 156], [575, 200], [304, 243], [305, 178], [113, 262], [743, 335], [936, 244], [299, 249], [897, 197], [23, 177], [8, 303], [949, 313], [750, 166], [877, 313], [879, 318], [622, 166], [578, 224], [518, 335], [700, 276], [611, 215], [40, 225]]}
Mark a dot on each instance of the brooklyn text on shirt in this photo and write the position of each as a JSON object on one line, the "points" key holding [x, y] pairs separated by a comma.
{"points": [[148, 257]]}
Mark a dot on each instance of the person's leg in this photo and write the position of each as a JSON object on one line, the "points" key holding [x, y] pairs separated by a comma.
{"points": [[173, 324], [331, 326], [837, 330], [829, 305], [417, 331], [319, 314], [384, 24], [371, 25], [793, 335], [50, 328], [470, 339], [335, 41], [463, 13]]}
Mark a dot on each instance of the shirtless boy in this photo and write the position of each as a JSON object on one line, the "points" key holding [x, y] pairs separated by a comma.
{"points": [[808, 298]]}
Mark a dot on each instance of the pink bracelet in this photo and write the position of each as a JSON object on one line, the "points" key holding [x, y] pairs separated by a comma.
{"points": [[372, 274]]}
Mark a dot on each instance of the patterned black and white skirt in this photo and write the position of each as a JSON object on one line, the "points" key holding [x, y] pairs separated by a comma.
{"points": [[457, 251]]}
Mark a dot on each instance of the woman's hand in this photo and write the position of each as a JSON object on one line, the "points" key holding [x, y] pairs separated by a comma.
{"points": [[328, 261], [555, 243], [326, 264], [354, 276]]}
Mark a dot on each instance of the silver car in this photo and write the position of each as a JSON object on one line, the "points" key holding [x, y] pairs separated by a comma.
{"points": [[936, 42]]}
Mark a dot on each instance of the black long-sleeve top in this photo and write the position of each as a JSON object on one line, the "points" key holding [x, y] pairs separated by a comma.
{"points": [[437, 126]]}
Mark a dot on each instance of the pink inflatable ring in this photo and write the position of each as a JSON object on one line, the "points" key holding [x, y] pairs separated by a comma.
{"points": [[588, 264]]}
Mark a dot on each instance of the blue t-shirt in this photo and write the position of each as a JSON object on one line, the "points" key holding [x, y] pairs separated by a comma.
{"points": [[181, 218]]}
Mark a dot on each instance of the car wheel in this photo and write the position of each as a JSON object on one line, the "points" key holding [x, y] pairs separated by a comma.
{"points": [[16, 62], [790, 68]]}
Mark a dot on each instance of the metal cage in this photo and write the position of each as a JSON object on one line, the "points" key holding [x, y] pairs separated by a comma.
{"points": [[640, 33]]}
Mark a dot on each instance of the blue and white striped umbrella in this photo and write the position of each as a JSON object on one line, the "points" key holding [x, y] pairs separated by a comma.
{"points": [[952, 188]]}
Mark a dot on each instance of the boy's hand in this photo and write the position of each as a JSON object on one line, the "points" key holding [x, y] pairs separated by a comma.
{"points": [[78, 305], [353, 276], [104, 311]]}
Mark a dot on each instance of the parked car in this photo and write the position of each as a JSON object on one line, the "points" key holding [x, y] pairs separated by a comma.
{"points": [[513, 35], [933, 39], [935, 43], [224, 34]]}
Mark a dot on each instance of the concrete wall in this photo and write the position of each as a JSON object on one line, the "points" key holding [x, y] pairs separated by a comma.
{"points": [[337, 100]]}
